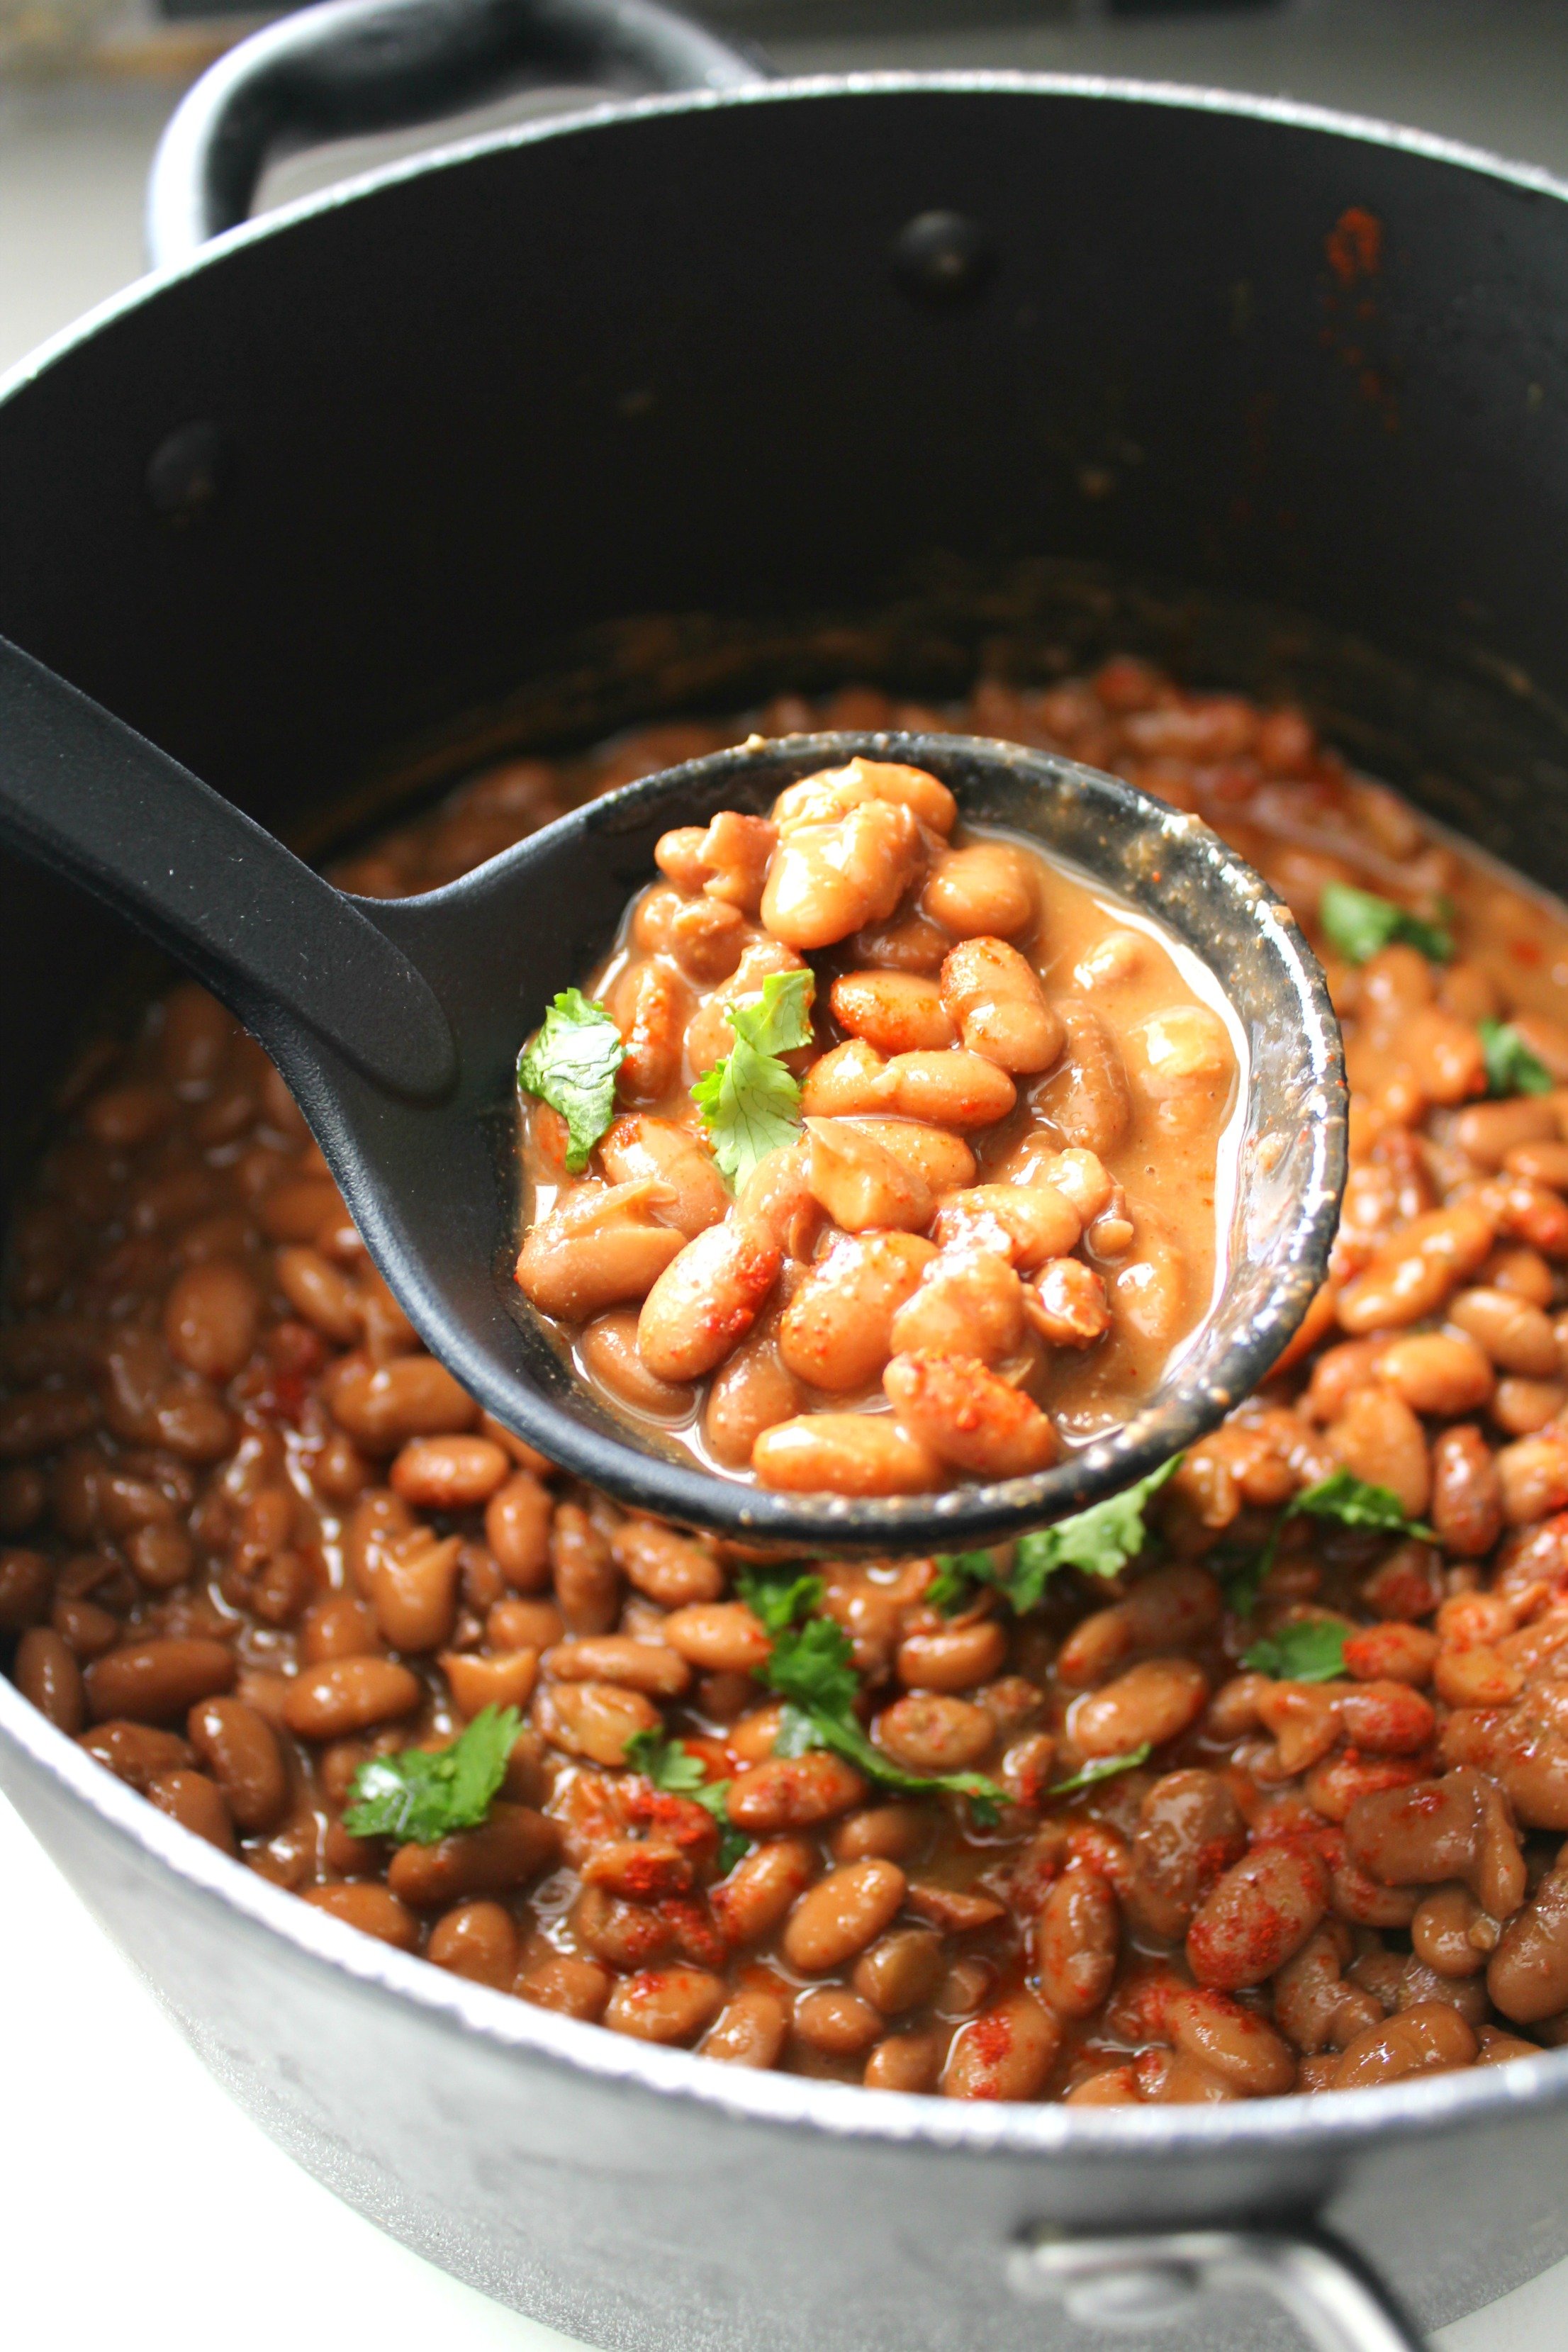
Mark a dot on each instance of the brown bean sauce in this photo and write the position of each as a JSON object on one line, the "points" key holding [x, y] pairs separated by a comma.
{"points": [[253, 1540]]}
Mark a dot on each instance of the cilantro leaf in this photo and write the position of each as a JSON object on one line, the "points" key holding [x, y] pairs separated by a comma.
{"points": [[1350, 1500], [672, 1767], [1312, 1651], [1102, 1768], [1358, 922], [571, 1065], [777, 1597], [1098, 1542], [812, 1671], [1511, 1067], [749, 1101], [957, 1574], [1356, 1504], [423, 1794]]}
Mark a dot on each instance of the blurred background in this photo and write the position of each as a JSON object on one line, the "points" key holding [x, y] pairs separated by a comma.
{"points": [[86, 87]]}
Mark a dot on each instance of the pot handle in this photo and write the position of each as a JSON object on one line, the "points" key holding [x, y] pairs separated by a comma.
{"points": [[356, 66], [1133, 2283]]}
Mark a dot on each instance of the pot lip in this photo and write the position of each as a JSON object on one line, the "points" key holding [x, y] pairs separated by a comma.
{"points": [[1308, 2126], [1189, 97]]}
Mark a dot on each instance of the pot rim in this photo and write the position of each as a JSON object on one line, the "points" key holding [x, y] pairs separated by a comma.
{"points": [[1351, 2119], [1365, 130], [839, 2111]]}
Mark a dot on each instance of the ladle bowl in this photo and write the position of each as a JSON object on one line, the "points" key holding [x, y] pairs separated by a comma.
{"points": [[396, 1024]]}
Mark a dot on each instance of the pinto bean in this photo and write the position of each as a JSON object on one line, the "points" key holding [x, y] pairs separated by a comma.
{"points": [[902, 1971], [1411, 1276], [1380, 1440], [1436, 1372], [719, 1637], [994, 999], [750, 2030], [197, 1804], [239, 1749], [1400, 1654], [931, 1731], [1086, 1099], [956, 1089], [835, 1332], [414, 1592], [1229, 2039], [793, 1792], [1450, 1932], [672, 1569], [652, 1006], [753, 1390], [1313, 2002], [1456, 1828], [158, 1681], [898, 1833], [894, 1012], [370, 1908], [25, 1581], [595, 1719], [954, 1658], [596, 1249], [1007, 2053], [321, 1293], [1029, 1224], [835, 790], [1514, 1335], [706, 1300], [669, 2005], [211, 1318], [1488, 1131], [1466, 1494], [1528, 1974], [477, 1940], [1260, 1912], [1533, 1476], [512, 1845], [645, 1666], [49, 1678], [986, 889], [449, 1474], [1154, 1702], [350, 1695], [842, 1914], [1190, 1828], [506, 1679], [860, 1183], [694, 1195], [1430, 2039], [943, 1161], [586, 1579], [968, 1417], [762, 1885], [1077, 1940], [518, 1528], [382, 1405], [1067, 1304], [827, 880], [969, 1302], [905, 2061]]}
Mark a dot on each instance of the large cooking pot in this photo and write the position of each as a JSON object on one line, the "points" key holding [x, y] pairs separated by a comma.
{"points": [[659, 408]]}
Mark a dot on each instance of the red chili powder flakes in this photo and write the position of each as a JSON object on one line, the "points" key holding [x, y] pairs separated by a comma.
{"points": [[1354, 246]]}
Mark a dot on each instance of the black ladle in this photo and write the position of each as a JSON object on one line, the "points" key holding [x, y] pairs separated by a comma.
{"points": [[396, 1024]]}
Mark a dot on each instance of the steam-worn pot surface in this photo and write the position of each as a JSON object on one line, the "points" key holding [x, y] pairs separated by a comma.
{"points": [[415, 465]]}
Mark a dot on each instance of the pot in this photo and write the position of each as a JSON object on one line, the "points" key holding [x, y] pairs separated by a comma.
{"points": [[659, 408]]}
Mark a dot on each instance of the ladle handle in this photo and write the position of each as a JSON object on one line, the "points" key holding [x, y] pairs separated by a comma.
{"points": [[356, 66], [85, 796]]}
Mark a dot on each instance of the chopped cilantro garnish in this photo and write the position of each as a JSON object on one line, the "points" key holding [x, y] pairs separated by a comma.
{"points": [[1102, 1768], [1312, 1651], [571, 1065], [1350, 1500], [778, 1597], [811, 1669], [1511, 1067], [672, 1767], [749, 1103], [1098, 1542], [423, 1794], [1358, 923]]}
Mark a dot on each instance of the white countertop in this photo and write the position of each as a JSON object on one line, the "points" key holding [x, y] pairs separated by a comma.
{"points": [[132, 2193]]}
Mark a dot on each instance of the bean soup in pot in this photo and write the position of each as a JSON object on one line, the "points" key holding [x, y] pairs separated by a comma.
{"points": [[1248, 1783]]}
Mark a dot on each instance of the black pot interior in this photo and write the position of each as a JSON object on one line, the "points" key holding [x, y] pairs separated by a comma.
{"points": [[396, 486]]}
